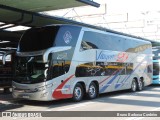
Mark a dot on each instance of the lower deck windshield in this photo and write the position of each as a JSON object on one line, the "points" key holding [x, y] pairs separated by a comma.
{"points": [[30, 70]]}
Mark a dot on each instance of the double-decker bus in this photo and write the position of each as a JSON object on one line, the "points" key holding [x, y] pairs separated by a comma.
{"points": [[67, 61], [6, 69], [156, 65]]}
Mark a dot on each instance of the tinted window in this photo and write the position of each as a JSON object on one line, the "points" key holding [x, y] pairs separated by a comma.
{"points": [[156, 68], [94, 40], [67, 36], [102, 69], [38, 39], [60, 63]]}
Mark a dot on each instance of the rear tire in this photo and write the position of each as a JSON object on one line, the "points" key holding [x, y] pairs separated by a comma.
{"points": [[134, 85], [140, 85], [92, 91], [78, 93]]}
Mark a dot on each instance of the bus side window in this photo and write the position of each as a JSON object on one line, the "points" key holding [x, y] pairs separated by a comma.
{"points": [[87, 45], [89, 41], [58, 66], [95, 40]]}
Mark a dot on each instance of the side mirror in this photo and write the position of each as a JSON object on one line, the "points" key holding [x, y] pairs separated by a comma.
{"points": [[4, 56]]}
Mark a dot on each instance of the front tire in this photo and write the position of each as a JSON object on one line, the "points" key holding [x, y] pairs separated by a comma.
{"points": [[93, 91], [78, 93], [134, 85]]}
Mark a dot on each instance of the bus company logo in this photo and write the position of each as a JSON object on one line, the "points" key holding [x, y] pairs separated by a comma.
{"points": [[122, 57], [105, 56], [67, 37]]}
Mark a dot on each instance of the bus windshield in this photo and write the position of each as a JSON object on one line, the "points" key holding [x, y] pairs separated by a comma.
{"points": [[37, 39], [31, 69]]}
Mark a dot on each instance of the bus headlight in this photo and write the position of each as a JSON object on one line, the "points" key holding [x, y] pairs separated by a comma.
{"points": [[40, 89], [30, 91], [44, 87], [49, 85]]}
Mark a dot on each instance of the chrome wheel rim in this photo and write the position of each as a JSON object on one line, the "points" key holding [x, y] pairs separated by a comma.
{"points": [[92, 90], [140, 85], [134, 86], [77, 92]]}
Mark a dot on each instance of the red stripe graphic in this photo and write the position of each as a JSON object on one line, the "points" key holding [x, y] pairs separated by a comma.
{"points": [[57, 94]]}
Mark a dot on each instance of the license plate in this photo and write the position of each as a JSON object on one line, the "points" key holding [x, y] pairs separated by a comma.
{"points": [[25, 96]]}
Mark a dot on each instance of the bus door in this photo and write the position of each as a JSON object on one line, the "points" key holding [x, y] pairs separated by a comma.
{"points": [[59, 66]]}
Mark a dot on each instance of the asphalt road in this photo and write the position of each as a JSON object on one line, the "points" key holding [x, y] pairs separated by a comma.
{"points": [[116, 105]]}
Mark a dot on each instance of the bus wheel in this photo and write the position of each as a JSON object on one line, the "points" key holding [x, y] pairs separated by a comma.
{"points": [[140, 85], [134, 85], [92, 92], [78, 92]]}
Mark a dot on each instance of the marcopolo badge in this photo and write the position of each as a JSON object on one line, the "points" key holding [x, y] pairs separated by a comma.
{"points": [[67, 37]]}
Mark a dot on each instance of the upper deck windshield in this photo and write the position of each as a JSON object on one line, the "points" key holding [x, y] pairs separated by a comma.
{"points": [[37, 39]]}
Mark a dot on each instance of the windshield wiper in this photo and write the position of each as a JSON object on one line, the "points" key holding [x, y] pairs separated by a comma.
{"points": [[30, 59]]}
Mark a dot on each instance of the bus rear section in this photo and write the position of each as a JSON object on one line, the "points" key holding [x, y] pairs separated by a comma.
{"points": [[78, 61], [109, 61]]}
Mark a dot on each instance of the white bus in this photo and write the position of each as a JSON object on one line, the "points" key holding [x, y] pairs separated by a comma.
{"points": [[66, 61]]}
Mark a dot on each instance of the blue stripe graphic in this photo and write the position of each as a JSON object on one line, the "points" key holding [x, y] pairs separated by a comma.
{"points": [[105, 87], [131, 73], [120, 84]]}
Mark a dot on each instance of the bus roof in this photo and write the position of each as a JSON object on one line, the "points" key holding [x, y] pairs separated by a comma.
{"points": [[102, 29]]}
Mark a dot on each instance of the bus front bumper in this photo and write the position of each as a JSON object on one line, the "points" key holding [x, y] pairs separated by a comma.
{"points": [[31, 92]]}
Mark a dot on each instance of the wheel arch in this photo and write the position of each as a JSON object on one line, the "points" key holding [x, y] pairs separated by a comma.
{"points": [[80, 82]]}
